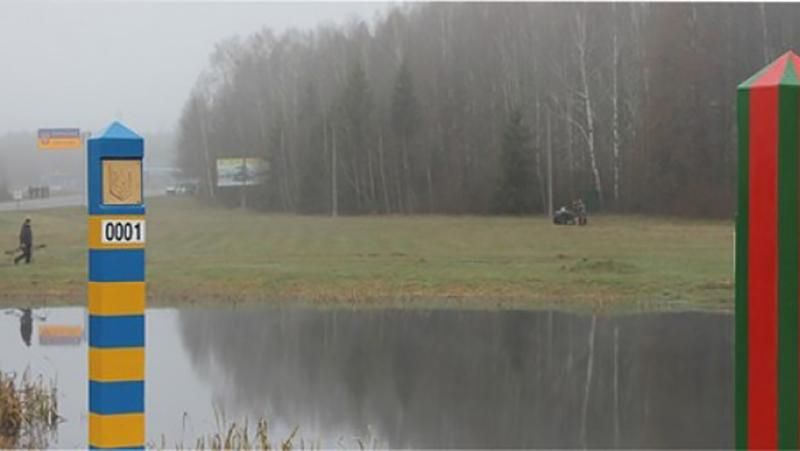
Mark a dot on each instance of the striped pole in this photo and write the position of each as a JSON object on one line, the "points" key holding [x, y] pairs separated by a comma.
{"points": [[116, 289], [767, 258]]}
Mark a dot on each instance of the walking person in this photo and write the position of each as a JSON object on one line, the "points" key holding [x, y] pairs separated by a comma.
{"points": [[25, 242]]}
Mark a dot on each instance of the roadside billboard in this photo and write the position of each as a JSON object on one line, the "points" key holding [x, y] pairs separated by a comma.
{"points": [[59, 138], [241, 171]]}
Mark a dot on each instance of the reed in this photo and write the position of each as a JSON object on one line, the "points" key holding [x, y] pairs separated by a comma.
{"points": [[28, 411], [238, 436]]}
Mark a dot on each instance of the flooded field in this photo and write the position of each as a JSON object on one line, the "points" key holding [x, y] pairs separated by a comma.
{"points": [[420, 379]]}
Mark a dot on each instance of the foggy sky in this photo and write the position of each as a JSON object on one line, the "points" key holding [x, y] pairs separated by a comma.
{"points": [[83, 64]]}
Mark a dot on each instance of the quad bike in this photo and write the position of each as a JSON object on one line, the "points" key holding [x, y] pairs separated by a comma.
{"points": [[565, 216]]}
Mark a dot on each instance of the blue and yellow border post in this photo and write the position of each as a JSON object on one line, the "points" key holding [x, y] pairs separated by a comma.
{"points": [[116, 291]]}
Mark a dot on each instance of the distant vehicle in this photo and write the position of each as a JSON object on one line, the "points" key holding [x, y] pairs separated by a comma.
{"points": [[187, 188], [182, 189], [565, 216]]}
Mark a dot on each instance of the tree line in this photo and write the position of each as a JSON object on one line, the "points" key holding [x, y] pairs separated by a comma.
{"points": [[466, 108]]}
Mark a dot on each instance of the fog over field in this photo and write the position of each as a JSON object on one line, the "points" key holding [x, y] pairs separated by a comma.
{"points": [[71, 63], [409, 108], [85, 63]]}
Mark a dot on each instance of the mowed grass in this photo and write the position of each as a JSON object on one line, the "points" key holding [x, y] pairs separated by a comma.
{"points": [[199, 254]]}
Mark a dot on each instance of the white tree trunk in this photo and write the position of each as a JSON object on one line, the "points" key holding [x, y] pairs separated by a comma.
{"points": [[581, 44], [334, 181], [549, 169], [538, 156], [587, 388], [616, 387], [615, 101], [386, 206], [207, 152], [287, 185]]}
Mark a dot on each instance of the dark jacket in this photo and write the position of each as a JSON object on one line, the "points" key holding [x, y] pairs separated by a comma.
{"points": [[26, 236]]}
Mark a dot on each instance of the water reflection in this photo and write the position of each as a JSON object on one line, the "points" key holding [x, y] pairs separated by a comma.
{"points": [[474, 379], [413, 379], [26, 317], [26, 326]]}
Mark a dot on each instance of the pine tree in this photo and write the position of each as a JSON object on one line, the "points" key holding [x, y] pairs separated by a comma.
{"points": [[516, 189], [405, 121], [312, 158], [354, 157], [405, 109]]}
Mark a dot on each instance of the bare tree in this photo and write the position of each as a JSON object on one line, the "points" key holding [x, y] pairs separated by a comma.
{"points": [[629, 101], [617, 162], [587, 129]]}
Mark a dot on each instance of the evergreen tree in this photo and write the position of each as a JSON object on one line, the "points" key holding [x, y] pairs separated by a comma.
{"points": [[312, 158], [357, 104], [405, 121], [516, 189], [354, 158], [405, 109]]}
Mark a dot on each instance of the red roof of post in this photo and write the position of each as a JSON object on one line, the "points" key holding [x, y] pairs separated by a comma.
{"points": [[773, 74]]}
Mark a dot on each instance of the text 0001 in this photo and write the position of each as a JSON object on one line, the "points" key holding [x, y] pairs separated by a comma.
{"points": [[123, 231]]}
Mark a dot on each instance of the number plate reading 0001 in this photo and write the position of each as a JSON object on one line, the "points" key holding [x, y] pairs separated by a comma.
{"points": [[123, 231]]}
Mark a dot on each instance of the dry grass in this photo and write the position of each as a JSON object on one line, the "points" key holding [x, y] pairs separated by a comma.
{"points": [[28, 411], [236, 436], [240, 436]]}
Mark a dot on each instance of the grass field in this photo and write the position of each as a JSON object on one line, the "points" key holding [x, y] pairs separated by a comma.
{"points": [[198, 254]]}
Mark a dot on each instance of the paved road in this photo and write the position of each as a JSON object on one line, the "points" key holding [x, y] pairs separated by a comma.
{"points": [[55, 202]]}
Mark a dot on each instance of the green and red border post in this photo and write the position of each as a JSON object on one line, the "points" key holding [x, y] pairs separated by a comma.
{"points": [[116, 291], [767, 256]]}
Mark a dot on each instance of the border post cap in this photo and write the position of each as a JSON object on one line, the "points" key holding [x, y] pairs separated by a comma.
{"points": [[775, 73], [116, 131]]}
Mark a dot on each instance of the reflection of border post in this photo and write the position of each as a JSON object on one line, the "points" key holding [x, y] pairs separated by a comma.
{"points": [[116, 291], [767, 252]]}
